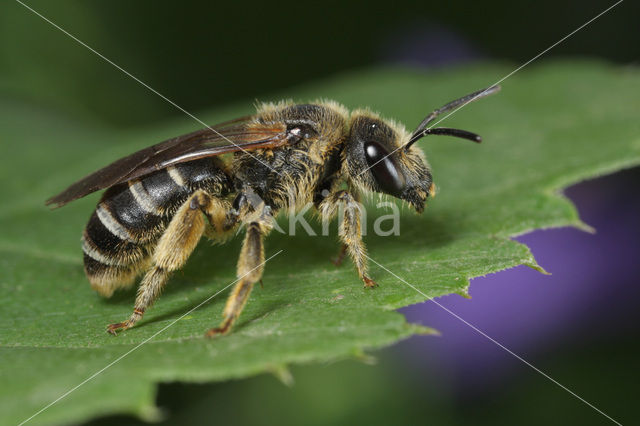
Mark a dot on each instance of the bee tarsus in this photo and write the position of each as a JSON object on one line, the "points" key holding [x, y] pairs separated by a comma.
{"points": [[369, 283]]}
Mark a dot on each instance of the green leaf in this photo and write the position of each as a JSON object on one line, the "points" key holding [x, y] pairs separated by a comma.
{"points": [[550, 126]]}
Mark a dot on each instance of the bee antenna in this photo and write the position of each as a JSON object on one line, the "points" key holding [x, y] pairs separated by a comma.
{"points": [[422, 129]]}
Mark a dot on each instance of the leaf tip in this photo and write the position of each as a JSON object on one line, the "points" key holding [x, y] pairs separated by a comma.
{"points": [[152, 414], [464, 293], [423, 330], [534, 265], [283, 374], [360, 355], [582, 226]]}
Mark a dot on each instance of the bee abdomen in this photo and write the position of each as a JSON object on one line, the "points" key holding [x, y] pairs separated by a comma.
{"points": [[111, 259], [130, 218]]}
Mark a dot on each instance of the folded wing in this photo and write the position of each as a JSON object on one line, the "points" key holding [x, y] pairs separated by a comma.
{"points": [[237, 135]]}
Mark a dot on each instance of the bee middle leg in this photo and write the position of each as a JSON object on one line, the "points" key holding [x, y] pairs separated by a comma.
{"points": [[250, 268], [349, 231], [174, 248]]}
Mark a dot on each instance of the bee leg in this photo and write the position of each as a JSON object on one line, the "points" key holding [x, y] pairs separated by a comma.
{"points": [[350, 230], [172, 251], [343, 252], [250, 267], [222, 220]]}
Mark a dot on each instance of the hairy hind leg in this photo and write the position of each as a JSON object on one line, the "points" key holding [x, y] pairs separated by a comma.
{"points": [[174, 248]]}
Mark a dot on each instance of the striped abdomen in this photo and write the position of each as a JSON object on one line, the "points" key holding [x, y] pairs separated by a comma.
{"points": [[130, 218]]}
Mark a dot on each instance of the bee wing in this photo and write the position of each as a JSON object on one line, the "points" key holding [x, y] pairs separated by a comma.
{"points": [[236, 135]]}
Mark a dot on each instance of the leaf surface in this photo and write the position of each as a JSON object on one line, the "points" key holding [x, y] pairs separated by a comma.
{"points": [[551, 125]]}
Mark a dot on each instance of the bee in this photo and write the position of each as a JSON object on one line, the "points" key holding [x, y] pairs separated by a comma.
{"points": [[161, 200]]}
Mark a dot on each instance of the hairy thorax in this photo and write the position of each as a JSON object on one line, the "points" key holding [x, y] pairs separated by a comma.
{"points": [[288, 177]]}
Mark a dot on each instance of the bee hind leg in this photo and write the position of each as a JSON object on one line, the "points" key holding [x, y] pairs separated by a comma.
{"points": [[174, 248]]}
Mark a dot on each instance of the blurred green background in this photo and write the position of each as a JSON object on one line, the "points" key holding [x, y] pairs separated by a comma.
{"points": [[204, 54]]}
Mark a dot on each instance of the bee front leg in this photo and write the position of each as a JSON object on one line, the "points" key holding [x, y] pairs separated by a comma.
{"points": [[250, 267], [350, 230], [173, 249]]}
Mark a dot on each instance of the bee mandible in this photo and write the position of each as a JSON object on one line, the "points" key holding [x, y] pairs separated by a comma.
{"points": [[161, 200]]}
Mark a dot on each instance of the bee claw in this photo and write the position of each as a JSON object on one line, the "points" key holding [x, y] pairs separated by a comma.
{"points": [[222, 329], [214, 332], [369, 283], [113, 328]]}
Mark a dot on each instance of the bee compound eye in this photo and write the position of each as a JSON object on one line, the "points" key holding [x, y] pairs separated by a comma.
{"points": [[384, 171]]}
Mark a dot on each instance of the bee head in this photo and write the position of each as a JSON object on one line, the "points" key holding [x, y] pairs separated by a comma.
{"points": [[380, 155], [376, 160]]}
